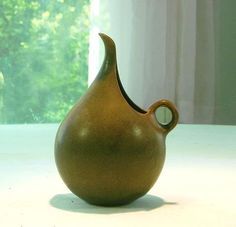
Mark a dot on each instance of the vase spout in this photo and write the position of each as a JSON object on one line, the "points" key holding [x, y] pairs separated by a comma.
{"points": [[109, 63]]}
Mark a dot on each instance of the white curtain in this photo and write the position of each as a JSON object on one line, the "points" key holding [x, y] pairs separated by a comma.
{"points": [[165, 49]]}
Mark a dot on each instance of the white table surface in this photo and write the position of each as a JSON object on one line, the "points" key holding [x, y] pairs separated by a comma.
{"points": [[197, 186]]}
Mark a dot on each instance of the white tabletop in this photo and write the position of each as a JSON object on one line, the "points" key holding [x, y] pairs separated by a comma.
{"points": [[197, 186]]}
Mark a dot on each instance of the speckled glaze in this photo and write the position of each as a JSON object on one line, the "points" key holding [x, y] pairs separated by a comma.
{"points": [[109, 151]]}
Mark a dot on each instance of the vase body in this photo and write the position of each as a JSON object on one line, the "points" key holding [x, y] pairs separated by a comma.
{"points": [[109, 151]]}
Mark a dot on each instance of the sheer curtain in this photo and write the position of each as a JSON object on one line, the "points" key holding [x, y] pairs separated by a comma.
{"points": [[168, 49]]}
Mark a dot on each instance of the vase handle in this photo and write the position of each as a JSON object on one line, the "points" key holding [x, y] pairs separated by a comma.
{"points": [[167, 127]]}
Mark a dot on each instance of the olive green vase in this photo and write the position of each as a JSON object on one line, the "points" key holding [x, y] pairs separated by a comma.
{"points": [[109, 151]]}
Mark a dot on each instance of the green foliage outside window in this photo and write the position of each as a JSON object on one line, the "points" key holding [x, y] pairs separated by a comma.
{"points": [[43, 58]]}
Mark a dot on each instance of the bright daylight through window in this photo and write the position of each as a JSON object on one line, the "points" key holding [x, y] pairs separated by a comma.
{"points": [[43, 58]]}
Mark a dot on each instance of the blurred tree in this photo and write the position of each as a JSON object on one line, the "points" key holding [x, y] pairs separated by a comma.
{"points": [[1, 94], [43, 57]]}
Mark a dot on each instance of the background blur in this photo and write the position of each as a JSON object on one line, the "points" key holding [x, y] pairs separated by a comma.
{"points": [[182, 50], [43, 58]]}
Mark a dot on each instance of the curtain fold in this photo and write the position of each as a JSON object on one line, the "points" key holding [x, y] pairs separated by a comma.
{"points": [[166, 49]]}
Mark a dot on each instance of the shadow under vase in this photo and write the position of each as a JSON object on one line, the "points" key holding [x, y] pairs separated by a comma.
{"points": [[71, 202]]}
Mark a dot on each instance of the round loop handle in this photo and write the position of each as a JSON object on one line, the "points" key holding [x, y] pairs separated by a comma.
{"points": [[175, 116]]}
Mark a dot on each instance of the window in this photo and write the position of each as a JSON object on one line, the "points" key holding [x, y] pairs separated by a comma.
{"points": [[43, 58]]}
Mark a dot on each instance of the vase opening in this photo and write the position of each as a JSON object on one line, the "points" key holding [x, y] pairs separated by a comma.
{"points": [[110, 63]]}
